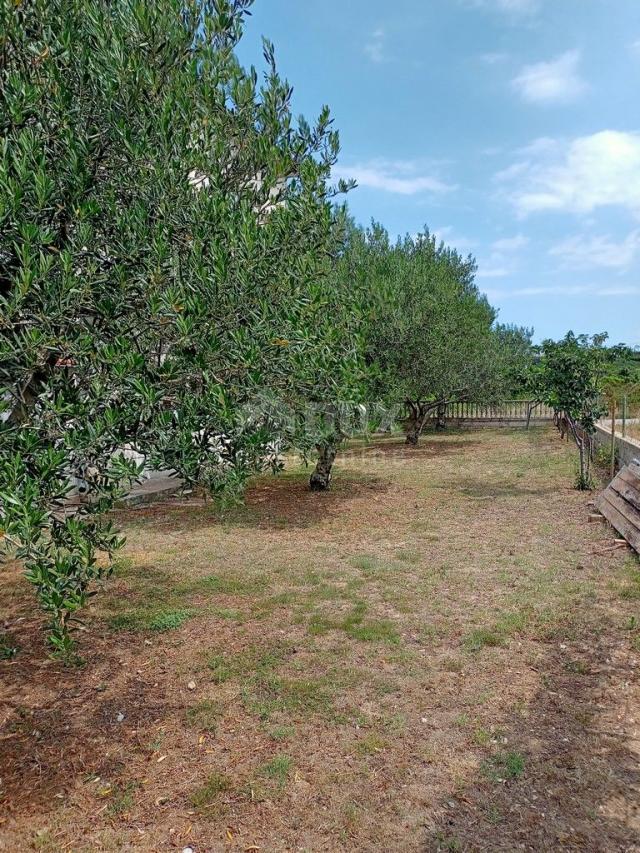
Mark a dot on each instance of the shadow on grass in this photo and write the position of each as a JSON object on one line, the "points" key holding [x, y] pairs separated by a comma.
{"points": [[442, 446], [478, 488], [59, 726], [271, 503], [564, 779]]}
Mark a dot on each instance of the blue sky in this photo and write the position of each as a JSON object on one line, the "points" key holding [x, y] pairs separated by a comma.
{"points": [[509, 127]]}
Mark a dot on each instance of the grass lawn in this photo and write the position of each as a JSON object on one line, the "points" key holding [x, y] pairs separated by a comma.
{"points": [[439, 654]]}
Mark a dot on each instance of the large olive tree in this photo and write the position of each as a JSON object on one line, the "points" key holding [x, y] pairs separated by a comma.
{"points": [[166, 237], [429, 332]]}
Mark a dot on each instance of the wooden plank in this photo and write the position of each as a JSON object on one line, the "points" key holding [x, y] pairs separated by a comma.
{"points": [[629, 477], [619, 522], [628, 493], [624, 508]]}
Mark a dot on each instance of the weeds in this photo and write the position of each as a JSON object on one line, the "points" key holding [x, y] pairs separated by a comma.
{"points": [[503, 766], [277, 770], [8, 647], [217, 783], [204, 715], [371, 744], [145, 620]]}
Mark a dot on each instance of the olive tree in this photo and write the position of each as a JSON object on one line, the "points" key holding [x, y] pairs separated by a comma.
{"points": [[571, 373], [167, 238], [428, 329]]}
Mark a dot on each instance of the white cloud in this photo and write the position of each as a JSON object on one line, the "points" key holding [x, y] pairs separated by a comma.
{"points": [[587, 252], [513, 9], [578, 176], [510, 244], [635, 47], [495, 58], [374, 48], [493, 271], [563, 290], [402, 177], [518, 7], [448, 235], [502, 261], [557, 81]]}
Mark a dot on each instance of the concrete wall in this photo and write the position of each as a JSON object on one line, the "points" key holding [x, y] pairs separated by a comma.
{"points": [[626, 448]]}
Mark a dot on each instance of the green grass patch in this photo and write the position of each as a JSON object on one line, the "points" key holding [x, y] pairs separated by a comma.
{"points": [[631, 590], [277, 770], [268, 694], [503, 766], [483, 736], [506, 626], [355, 626], [206, 796], [280, 733], [8, 647], [224, 665], [204, 715], [320, 624], [481, 637], [122, 798], [143, 619], [371, 744], [169, 620], [224, 585], [408, 556], [362, 561], [372, 630]]}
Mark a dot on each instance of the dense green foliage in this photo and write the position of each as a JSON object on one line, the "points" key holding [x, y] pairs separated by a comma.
{"points": [[167, 237], [571, 375], [429, 334]]}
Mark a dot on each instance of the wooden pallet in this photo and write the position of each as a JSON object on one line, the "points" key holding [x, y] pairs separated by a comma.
{"points": [[620, 504]]}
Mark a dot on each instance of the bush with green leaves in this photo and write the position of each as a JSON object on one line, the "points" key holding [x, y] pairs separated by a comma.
{"points": [[167, 243], [570, 375]]}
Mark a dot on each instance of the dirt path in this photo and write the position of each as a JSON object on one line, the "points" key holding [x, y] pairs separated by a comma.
{"points": [[440, 654]]}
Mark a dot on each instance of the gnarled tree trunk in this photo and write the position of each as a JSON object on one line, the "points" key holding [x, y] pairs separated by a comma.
{"points": [[441, 417], [320, 480], [414, 423]]}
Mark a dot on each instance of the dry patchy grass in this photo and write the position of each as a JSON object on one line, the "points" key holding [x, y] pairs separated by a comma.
{"points": [[440, 654]]}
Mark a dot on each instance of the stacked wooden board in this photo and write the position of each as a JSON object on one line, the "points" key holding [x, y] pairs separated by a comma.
{"points": [[620, 504]]}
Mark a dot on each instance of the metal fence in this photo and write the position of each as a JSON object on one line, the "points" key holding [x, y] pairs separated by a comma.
{"points": [[507, 410]]}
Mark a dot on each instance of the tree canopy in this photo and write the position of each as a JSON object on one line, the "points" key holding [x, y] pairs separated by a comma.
{"points": [[168, 233]]}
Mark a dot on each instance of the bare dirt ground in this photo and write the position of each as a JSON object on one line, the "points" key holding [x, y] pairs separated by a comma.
{"points": [[440, 654]]}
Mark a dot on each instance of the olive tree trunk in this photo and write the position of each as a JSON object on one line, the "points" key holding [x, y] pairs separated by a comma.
{"points": [[320, 480], [414, 423], [441, 417]]}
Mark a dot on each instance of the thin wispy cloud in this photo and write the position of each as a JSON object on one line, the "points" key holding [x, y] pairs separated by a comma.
{"points": [[502, 260], [510, 244], [577, 176], [511, 9], [402, 177], [557, 81], [597, 251], [375, 46], [495, 58], [450, 237], [606, 291], [493, 271]]}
